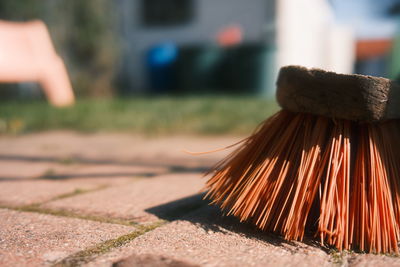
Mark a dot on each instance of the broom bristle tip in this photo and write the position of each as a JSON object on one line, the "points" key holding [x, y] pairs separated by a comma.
{"points": [[301, 173]]}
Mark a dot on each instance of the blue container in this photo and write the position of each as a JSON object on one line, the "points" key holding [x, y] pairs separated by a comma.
{"points": [[160, 65]]}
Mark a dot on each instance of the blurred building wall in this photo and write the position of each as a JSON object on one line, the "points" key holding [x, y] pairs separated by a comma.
{"points": [[308, 35], [256, 18]]}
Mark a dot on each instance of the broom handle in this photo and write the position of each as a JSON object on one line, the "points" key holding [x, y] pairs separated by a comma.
{"points": [[353, 97]]}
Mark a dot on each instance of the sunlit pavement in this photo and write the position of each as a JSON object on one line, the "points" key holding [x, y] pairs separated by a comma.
{"points": [[73, 199]]}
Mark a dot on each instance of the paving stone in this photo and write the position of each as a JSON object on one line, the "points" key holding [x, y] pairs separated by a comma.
{"points": [[105, 171], [31, 239], [369, 260], [206, 238], [148, 260], [23, 170], [17, 193], [114, 148], [11, 170], [67, 179], [143, 201]]}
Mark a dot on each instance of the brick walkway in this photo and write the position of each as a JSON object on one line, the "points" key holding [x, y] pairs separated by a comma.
{"points": [[96, 200]]}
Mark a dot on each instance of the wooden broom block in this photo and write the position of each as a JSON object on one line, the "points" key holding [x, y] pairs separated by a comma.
{"points": [[352, 97]]}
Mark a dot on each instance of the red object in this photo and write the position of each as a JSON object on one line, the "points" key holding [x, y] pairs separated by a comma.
{"points": [[230, 36], [366, 49]]}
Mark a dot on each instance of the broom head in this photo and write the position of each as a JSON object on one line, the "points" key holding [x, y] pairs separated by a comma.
{"points": [[325, 165]]}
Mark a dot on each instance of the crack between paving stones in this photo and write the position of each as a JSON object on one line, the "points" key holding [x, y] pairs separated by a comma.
{"points": [[76, 192], [79, 191], [172, 215], [89, 254], [35, 208], [51, 174], [346, 257]]}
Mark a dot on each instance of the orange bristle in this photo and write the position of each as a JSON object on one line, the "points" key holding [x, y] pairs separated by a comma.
{"points": [[303, 173]]}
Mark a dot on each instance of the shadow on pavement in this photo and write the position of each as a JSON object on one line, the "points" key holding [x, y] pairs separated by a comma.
{"points": [[196, 210]]}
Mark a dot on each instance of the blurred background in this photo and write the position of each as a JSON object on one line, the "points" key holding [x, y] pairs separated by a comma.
{"points": [[188, 66]]}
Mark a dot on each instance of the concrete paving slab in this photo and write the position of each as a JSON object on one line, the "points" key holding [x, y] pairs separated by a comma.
{"points": [[59, 179], [113, 148], [148, 260], [106, 171], [35, 191], [10, 170], [22, 170], [205, 238], [31, 239], [369, 260], [143, 201]]}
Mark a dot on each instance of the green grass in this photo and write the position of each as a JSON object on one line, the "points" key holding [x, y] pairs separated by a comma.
{"points": [[151, 116]]}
